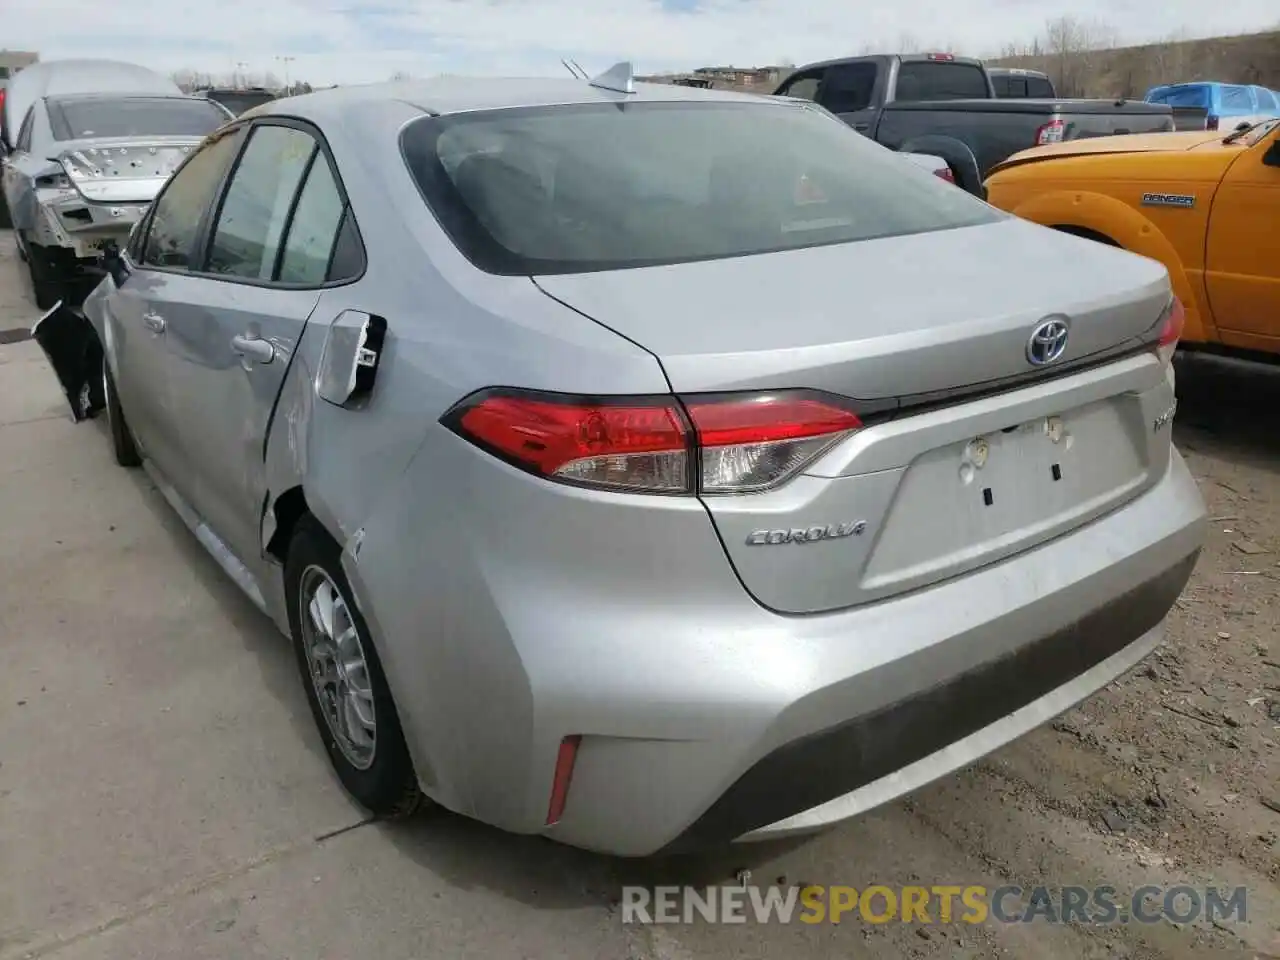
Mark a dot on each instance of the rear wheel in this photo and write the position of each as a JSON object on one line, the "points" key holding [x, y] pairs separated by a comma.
{"points": [[343, 678], [122, 444]]}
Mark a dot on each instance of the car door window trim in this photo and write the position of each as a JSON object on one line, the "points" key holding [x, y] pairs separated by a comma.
{"points": [[202, 227], [201, 250], [322, 149]]}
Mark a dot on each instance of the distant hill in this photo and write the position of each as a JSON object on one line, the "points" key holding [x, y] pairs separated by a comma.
{"points": [[1131, 71]]}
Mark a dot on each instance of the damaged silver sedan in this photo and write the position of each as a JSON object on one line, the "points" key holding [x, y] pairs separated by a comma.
{"points": [[82, 168]]}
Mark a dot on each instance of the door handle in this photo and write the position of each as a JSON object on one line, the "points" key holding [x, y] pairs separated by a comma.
{"points": [[861, 126], [154, 322], [253, 348]]}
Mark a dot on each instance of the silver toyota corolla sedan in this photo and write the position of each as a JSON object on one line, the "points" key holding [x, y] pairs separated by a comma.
{"points": [[644, 466]]}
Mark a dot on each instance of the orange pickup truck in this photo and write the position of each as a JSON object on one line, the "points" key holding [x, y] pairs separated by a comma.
{"points": [[1204, 205]]}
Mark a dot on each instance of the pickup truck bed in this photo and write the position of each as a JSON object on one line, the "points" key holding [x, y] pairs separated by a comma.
{"points": [[944, 105]]}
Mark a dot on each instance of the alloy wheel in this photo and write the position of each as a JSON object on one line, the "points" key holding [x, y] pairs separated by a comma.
{"points": [[338, 668]]}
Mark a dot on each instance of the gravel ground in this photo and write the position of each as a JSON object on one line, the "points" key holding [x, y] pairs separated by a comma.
{"points": [[1167, 777]]}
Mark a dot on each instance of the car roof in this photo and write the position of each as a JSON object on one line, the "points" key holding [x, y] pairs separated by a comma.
{"points": [[450, 95]]}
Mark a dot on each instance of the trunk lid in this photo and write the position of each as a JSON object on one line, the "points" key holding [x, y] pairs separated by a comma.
{"points": [[124, 170], [934, 485], [877, 319]]}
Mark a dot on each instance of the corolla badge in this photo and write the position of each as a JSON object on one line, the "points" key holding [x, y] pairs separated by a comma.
{"points": [[1047, 342], [815, 534], [1166, 418]]}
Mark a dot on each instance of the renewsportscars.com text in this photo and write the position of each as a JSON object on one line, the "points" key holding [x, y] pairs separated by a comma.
{"points": [[878, 904]]}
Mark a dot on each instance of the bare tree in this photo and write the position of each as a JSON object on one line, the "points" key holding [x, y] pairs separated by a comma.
{"points": [[1069, 44]]}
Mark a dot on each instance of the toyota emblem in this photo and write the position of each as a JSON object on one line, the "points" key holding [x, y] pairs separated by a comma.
{"points": [[1047, 342]]}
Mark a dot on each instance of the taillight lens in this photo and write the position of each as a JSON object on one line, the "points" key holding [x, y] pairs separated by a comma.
{"points": [[1211, 122], [1054, 131], [1171, 323], [664, 445], [750, 444], [629, 445], [945, 174]]}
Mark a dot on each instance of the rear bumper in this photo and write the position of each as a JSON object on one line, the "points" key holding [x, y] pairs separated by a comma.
{"points": [[704, 717], [819, 778]]}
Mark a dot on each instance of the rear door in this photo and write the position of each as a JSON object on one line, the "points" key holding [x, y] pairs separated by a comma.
{"points": [[233, 327], [160, 254]]}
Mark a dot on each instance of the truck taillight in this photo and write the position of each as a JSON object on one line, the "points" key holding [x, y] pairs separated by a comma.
{"points": [[1211, 122], [941, 56], [722, 444], [1052, 132], [945, 174]]}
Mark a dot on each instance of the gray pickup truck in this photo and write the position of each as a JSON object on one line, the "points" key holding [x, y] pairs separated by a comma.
{"points": [[939, 104]]}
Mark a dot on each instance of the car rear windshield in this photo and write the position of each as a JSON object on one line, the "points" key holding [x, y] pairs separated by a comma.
{"points": [[573, 189], [133, 117], [940, 80]]}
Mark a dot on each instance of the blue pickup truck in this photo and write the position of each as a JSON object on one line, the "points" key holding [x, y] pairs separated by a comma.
{"points": [[1226, 105]]}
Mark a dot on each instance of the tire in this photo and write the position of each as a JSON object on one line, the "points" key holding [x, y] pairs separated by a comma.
{"points": [[381, 779], [122, 444]]}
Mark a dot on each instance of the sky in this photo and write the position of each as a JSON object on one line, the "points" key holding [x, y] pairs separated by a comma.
{"points": [[355, 41]]}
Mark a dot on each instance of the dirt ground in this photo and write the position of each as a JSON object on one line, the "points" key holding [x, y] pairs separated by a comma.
{"points": [[1170, 776]]}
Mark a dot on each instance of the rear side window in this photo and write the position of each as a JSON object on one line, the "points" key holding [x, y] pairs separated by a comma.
{"points": [[133, 117], [314, 228], [1266, 100], [804, 86], [577, 188], [941, 80], [848, 87], [1236, 98], [1038, 88], [24, 132], [259, 198]]}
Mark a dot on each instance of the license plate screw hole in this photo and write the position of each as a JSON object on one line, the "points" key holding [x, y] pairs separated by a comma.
{"points": [[987, 496], [1056, 470]]}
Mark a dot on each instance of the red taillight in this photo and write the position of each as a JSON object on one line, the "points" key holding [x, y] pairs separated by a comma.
{"points": [[941, 56], [1052, 132], [946, 174], [1175, 318], [1211, 122], [565, 759], [720, 444]]}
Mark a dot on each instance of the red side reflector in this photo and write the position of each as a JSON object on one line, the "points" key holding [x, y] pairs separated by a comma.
{"points": [[565, 760]]}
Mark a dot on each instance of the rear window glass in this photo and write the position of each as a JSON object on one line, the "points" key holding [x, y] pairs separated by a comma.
{"points": [[580, 188], [238, 103], [1187, 97], [941, 80], [1001, 86], [133, 117]]}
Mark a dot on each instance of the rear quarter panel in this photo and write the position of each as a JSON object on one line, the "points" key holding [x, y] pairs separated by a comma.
{"points": [[1103, 195]]}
